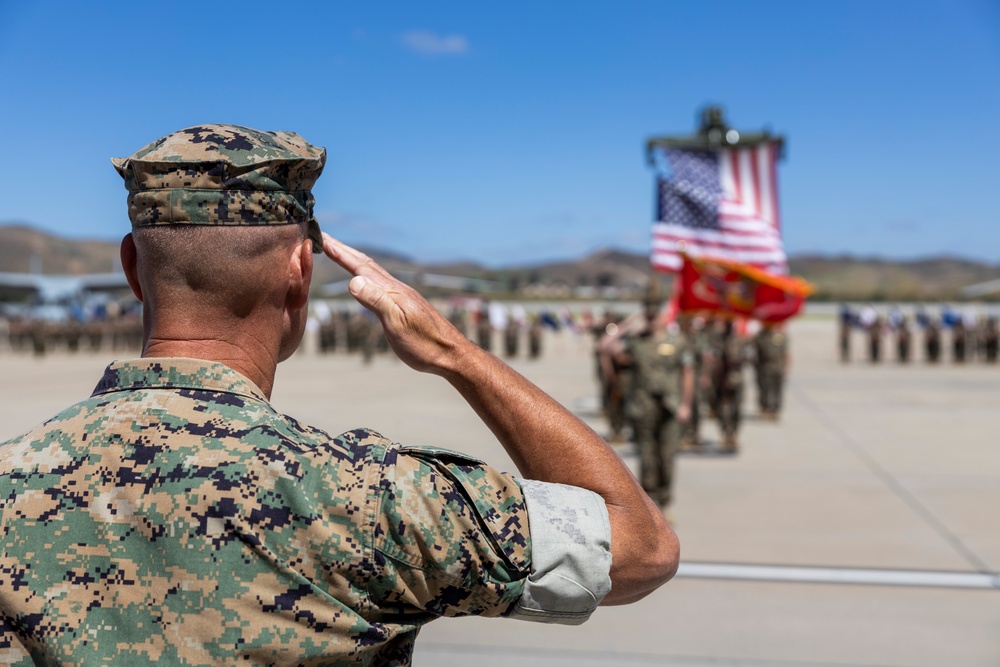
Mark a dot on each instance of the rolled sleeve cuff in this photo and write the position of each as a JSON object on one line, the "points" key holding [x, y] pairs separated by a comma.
{"points": [[570, 554]]}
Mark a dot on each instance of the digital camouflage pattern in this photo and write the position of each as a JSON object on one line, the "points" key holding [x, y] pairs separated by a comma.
{"points": [[654, 396], [175, 517], [224, 175], [771, 348], [730, 354], [658, 361]]}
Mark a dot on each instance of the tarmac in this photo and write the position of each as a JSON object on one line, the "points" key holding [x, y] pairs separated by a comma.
{"points": [[860, 530]]}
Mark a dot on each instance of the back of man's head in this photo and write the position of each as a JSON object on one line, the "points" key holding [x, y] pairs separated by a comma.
{"points": [[228, 270], [216, 210]]}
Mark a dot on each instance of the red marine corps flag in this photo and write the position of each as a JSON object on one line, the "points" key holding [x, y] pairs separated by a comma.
{"points": [[737, 289]]}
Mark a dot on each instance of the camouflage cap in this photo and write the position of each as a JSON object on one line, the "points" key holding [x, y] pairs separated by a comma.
{"points": [[224, 175]]}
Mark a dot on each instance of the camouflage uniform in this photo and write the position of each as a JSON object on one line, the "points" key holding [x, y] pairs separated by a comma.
{"points": [[932, 342], [654, 396], [714, 345], [991, 339], [875, 341], [175, 517], [959, 337], [535, 338], [484, 330], [846, 320], [903, 342], [697, 341], [613, 377], [728, 380], [511, 338], [771, 347]]}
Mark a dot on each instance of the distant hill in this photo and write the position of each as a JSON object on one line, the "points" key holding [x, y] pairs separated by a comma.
{"points": [[21, 243], [858, 279], [605, 273]]}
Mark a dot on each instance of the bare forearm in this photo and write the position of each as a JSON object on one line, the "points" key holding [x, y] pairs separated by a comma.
{"points": [[548, 443], [540, 435]]}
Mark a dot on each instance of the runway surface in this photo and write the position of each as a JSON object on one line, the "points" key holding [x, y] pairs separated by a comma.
{"points": [[860, 530]]}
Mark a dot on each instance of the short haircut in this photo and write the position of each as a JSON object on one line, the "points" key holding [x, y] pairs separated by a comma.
{"points": [[223, 267]]}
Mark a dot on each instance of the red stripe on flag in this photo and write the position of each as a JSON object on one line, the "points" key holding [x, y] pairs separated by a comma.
{"points": [[748, 228]]}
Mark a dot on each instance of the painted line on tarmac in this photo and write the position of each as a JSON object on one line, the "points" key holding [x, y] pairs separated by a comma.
{"points": [[446, 654], [839, 575]]}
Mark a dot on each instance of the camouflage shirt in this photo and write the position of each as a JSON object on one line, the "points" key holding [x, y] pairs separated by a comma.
{"points": [[176, 517], [658, 363], [771, 348]]}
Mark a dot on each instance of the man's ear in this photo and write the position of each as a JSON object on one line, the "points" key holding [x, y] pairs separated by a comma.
{"points": [[130, 264], [300, 269]]}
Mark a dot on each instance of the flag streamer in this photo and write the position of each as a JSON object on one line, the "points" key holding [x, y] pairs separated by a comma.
{"points": [[734, 288]]}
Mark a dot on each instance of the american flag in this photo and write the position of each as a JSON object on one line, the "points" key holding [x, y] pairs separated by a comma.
{"points": [[719, 204]]}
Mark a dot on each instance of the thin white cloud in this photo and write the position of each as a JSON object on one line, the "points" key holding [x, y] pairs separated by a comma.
{"points": [[429, 43]]}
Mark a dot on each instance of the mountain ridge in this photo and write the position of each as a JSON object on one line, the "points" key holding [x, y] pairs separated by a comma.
{"points": [[608, 271]]}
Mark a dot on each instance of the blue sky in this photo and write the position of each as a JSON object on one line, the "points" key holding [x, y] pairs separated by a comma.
{"points": [[513, 132]]}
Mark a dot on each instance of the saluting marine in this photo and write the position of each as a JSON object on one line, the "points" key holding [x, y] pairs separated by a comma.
{"points": [[176, 517], [658, 398]]}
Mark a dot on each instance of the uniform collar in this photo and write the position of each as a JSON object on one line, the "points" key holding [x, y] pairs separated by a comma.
{"points": [[175, 373]]}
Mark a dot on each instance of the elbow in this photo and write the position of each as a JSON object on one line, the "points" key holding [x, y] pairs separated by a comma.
{"points": [[666, 557], [646, 568], [671, 556]]}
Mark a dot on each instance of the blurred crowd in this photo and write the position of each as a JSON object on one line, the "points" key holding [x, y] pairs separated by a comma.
{"points": [[342, 327], [961, 335], [114, 326], [506, 329]]}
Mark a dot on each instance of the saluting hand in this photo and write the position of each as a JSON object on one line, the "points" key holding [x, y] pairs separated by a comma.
{"points": [[416, 331], [545, 440]]}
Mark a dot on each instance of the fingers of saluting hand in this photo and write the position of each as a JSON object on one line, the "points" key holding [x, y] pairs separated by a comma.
{"points": [[370, 280], [355, 261], [413, 328]]}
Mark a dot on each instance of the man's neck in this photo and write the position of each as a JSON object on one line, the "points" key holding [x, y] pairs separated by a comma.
{"points": [[248, 357]]}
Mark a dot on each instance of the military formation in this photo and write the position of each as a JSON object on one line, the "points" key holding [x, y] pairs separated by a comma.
{"points": [[519, 332], [117, 329], [337, 327], [660, 381], [352, 331], [961, 337]]}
